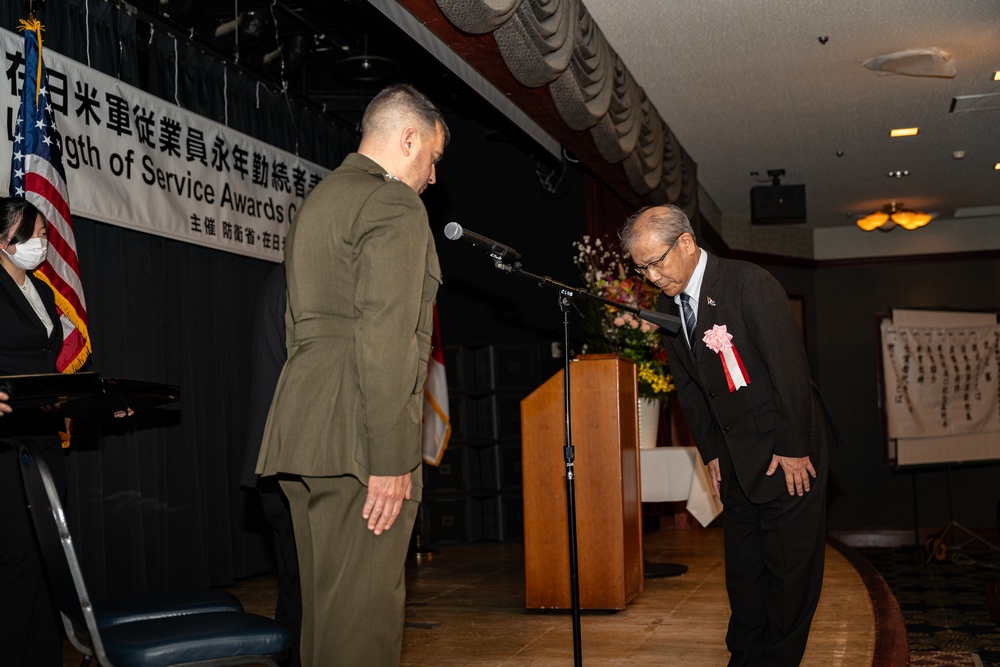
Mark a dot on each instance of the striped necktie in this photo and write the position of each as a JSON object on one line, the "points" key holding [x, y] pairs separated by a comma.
{"points": [[689, 318]]}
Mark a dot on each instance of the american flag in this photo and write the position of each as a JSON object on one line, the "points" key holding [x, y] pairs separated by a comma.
{"points": [[36, 174]]}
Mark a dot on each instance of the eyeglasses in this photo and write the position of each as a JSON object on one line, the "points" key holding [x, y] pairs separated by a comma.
{"points": [[641, 270]]}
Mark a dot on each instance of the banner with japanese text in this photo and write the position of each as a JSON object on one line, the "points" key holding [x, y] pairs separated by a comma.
{"points": [[941, 381], [136, 161]]}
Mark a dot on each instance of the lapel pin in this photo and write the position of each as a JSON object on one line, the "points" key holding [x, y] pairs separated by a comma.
{"points": [[710, 300]]}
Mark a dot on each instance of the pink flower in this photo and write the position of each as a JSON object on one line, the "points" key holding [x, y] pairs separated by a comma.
{"points": [[717, 338], [619, 322]]}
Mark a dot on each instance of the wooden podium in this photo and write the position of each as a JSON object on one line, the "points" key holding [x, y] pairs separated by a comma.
{"points": [[604, 401]]}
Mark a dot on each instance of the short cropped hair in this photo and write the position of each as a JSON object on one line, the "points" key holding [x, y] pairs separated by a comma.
{"points": [[402, 101], [666, 222]]}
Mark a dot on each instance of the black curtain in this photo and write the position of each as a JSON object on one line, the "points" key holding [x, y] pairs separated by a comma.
{"points": [[156, 497], [93, 33], [154, 500], [180, 73]]}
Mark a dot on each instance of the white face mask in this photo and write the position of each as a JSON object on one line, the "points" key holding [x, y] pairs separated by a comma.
{"points": [[30, 254]]}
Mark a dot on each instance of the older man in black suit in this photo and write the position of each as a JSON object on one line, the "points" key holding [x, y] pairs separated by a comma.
{"points": [[744, 387]]}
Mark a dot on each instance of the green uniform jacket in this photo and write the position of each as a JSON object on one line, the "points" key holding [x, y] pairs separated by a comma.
{"points": [[362, 274]]}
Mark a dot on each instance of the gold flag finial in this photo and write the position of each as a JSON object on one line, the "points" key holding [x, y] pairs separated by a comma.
{"points": [[35, 26]]}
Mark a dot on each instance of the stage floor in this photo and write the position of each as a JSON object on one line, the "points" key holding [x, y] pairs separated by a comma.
{"points": [[465, 607]]}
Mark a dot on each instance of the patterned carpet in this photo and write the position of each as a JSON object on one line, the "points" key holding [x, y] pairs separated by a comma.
{"points": [[944, 659], [944, 603]]}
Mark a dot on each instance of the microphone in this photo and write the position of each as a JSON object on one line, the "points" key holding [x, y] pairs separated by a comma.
{"points": [[454, 231], [669, 323]]}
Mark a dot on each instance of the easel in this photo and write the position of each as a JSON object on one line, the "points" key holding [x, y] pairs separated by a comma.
{"points": [[937, 548], [938, 451]]}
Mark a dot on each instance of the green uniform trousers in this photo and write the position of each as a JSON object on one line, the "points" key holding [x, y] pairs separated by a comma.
{"points": [[353, 589]]}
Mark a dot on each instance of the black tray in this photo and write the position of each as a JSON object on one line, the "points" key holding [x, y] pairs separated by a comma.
{"points": [[85, 394]]}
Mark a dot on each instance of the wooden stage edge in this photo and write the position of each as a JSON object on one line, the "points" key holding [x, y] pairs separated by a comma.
{"points": [[892, 647]]}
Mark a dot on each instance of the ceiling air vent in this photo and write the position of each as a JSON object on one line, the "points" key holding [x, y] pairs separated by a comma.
{"points": [[985, 102]]}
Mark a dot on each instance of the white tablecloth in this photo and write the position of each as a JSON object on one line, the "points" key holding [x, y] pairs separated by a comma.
{"points": [[671, 474]]}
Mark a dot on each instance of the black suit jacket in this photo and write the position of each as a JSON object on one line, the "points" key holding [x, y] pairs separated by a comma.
{"points": [[25, 348], [779, 412], [267, 357]]}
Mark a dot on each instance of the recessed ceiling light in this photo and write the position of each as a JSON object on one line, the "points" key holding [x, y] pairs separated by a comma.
{"points": [[904, 132], [997, 166], [996, 75]]}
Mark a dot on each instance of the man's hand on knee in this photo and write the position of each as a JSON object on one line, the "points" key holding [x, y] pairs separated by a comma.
{"points": [[797, 472]]}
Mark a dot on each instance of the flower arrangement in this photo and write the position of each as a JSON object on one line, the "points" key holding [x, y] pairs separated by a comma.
{"points": [[607, 329]]}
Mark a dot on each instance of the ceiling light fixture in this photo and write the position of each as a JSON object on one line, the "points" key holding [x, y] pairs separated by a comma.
{"points": [[366, 68], [904, 132], [996, 75], [892, 215]]}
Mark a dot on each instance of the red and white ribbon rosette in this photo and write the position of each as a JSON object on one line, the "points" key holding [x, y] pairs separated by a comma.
{"points": [[721, 341]]}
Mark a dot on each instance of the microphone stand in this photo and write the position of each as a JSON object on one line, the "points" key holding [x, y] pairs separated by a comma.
{"points": [[567, 293], [670, 323]]}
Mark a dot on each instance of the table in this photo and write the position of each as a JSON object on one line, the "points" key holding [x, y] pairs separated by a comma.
{"points": [[671, 474]]}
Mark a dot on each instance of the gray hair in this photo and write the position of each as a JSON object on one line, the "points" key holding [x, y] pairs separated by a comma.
{"points": [[666, 222], [402, 101]]}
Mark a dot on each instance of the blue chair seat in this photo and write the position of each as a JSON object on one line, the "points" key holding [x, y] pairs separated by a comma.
{"points": [[148, 606], [192, 638]]}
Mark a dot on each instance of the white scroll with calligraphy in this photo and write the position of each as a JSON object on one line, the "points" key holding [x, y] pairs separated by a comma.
{"points": [[935, 449], [941, 381]]}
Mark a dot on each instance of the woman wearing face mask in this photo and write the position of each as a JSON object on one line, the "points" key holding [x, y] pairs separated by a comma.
{"points": [[30, 339]]}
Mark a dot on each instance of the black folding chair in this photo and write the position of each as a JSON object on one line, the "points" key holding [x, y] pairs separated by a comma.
{"points": [[158, 631]]}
